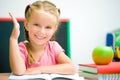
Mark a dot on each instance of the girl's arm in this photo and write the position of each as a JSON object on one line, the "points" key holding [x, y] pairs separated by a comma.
{"points": [[65, 66], [16, 62]]}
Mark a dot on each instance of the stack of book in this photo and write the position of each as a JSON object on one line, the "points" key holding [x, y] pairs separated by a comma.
{"points": [[100, 72]]}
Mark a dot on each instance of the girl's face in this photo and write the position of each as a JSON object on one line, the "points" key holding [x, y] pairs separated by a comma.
{"points": [[41, 27]]}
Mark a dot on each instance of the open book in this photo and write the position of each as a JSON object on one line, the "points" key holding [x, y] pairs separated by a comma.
{"points": [[46, 77]]}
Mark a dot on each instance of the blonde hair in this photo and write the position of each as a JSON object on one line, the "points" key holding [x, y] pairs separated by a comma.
{"points": [[38, 5]]}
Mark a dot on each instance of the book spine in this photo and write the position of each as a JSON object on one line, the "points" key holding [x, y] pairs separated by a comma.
{"points": [[108, 71]]}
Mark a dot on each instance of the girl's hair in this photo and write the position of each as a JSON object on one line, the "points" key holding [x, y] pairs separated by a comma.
{"points": [[39, 5]]}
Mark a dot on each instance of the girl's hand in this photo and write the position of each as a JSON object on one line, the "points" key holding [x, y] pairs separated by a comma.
{"points": [[15, 32]]}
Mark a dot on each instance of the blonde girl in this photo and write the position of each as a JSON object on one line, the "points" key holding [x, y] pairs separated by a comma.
{"points": [[39, 53]]}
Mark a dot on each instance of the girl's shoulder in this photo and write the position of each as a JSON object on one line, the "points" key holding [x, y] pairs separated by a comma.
{"points": [[22, 45], [54, 45]]}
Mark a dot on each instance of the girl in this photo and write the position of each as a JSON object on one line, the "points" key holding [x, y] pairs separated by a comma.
{"points": [[39, 54]]}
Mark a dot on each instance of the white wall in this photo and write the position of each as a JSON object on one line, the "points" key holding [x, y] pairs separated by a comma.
{"points": [[90, 20]]}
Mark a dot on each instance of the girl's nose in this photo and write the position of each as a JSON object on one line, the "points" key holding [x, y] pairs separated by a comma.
{"points": [[42, 30]]}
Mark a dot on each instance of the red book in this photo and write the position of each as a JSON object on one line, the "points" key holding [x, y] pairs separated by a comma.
{"points": [[113, 67]]}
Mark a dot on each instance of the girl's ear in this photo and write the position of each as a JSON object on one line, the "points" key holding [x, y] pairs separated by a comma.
{"points": [[56, 27], [26, 24]]}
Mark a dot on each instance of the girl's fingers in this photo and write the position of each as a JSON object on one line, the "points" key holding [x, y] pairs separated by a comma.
{"points": [[15, 32], [13, 18]]}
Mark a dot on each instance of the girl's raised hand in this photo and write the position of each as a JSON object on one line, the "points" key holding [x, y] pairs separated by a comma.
{"points": [[16, 29]]}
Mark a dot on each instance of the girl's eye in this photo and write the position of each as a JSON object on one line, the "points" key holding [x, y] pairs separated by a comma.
{"points": [[36, 25], [48, 27]]}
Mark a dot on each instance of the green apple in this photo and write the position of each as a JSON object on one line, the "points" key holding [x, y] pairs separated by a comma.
{"points": [[102, 55]]}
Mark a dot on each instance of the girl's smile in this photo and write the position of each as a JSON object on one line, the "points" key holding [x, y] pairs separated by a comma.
{"points": [[40, 38]]}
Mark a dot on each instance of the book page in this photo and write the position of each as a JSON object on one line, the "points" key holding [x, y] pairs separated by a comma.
{"points": [[29, 77], [46, 77], [66, 77]]}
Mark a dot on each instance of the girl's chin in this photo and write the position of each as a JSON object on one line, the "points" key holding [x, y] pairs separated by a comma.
{"points": [[40, 43]]}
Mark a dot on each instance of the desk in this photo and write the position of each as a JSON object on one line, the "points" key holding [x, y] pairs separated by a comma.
{"points": [[5, 76]]}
